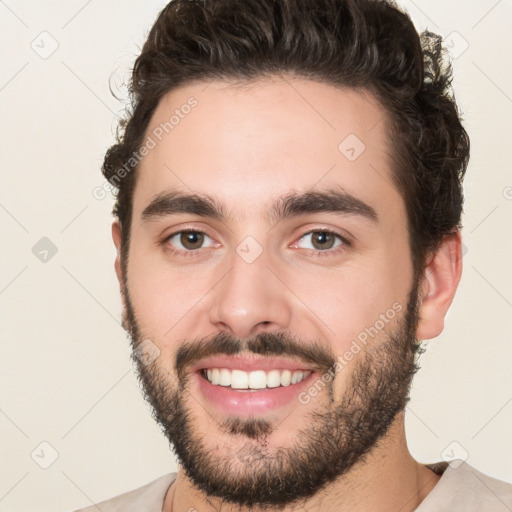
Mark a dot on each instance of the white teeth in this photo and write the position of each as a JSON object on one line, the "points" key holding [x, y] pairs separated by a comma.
{"points": [[297, 377], [286, 378], [225, 377], [273, 379], [258, 379], [239, 379]]}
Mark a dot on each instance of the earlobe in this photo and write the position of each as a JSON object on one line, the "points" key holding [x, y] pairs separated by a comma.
{"points": [[440, 280]]}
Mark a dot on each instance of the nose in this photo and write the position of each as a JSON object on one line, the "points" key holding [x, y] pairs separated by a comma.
{"points": [[250, 299]]}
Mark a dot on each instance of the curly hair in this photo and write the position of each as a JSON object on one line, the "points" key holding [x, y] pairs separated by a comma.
{"points": [[368, 44]]}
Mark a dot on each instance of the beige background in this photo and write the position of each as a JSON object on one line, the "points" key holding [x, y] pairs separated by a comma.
{"points": [[66, 377]]}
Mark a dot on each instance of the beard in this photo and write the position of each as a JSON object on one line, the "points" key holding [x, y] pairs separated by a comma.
{"points": [[338, 434]]}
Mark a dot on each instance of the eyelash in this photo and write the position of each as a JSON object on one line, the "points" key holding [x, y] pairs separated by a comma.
{"points": [[345, 243], [343, 246], [179, 252]]}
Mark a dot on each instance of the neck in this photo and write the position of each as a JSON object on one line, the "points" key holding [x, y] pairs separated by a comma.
{"points": [[389, 479]]}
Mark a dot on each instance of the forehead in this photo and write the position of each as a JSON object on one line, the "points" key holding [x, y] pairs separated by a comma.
{"points": [[247, 144]]}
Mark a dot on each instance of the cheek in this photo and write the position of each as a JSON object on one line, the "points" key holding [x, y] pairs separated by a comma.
{"points": [[348, 302], [164, 297]]}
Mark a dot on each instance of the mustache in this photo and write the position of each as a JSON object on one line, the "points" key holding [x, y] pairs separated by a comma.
{"points": [[319, 357]]}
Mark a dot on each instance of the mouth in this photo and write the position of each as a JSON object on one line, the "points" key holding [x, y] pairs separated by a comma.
{"points": [[247, 386]]}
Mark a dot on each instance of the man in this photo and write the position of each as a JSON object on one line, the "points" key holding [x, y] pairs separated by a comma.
{"points": [[288, 229]]}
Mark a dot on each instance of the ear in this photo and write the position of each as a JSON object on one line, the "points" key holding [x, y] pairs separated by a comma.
{"points": [[117, 237], [440, 280]]}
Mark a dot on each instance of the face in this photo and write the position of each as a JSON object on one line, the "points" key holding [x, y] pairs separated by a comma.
{"points": [[269, 284]]}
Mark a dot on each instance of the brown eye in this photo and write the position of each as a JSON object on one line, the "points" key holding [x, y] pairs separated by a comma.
{"points": [[322, 240], [191, 239]]}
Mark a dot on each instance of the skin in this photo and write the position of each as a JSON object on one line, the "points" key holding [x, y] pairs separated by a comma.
{"points": [[247, 145]]}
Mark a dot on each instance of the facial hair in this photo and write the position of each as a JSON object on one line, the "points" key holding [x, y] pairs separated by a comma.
{"points": [[338, 434]]}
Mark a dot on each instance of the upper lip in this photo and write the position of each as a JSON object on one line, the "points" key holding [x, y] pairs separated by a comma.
{"points": [[247, 363]]}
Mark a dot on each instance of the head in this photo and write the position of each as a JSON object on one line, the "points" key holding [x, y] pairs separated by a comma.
{"points": [[316, 158]]}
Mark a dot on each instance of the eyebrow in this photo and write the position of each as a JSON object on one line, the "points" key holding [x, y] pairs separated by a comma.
{"points": [[330, 201], [171, 203], [290, 205]]}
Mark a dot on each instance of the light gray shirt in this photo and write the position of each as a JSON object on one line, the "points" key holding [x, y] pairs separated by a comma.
{"points": [[460, 489]]}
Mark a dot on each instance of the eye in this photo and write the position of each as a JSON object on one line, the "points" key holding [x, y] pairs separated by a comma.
{"points": [[189, 240], [321, 240]]}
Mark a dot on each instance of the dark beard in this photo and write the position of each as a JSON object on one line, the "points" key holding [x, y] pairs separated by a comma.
{"points": [[338, 435]]}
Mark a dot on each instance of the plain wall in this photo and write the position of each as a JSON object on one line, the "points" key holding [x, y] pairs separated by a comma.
{"points": [[65, 374]]}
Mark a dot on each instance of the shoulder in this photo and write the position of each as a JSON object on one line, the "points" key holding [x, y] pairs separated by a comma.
{"points": [[149, 498], [464, 488]]}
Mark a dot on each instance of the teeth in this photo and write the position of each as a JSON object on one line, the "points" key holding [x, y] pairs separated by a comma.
{"points": [[273, 379], [239, 379], [224, 378], [259, 379], [286, 378]]}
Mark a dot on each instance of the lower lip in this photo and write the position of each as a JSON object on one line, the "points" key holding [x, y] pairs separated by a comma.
{"points": [[245, 402]]}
